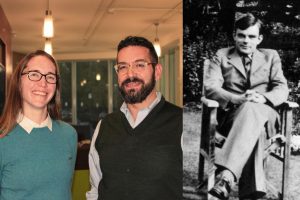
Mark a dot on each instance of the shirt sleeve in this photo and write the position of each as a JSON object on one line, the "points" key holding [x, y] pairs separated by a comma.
{"points": [[94, 165], [279, 91], [214, 80]]}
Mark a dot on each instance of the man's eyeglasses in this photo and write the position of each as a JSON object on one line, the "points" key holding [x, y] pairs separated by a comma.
{"points": [[36, 76], [137, 66]]}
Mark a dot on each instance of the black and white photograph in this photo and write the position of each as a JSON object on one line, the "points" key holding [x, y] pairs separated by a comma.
{"points": [[91, 99], [241, 96]]}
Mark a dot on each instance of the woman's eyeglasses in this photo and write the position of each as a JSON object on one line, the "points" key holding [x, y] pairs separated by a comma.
{"points": [[36, 76]]}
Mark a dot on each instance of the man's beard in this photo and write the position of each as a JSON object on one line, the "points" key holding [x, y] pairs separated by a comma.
{"points": [[133, 96]]}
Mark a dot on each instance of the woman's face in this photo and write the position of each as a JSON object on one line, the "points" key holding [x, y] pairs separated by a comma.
{"points": [[37, 94]]}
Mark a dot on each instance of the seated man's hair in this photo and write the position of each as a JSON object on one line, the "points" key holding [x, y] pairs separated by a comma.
{"points": [[247, 20]]}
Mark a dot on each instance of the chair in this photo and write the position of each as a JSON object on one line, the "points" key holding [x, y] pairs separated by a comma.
{"points": [[81, 182], [84, 131], [210, 140]]}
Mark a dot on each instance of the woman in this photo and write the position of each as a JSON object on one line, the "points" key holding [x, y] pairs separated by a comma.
{"points": [[37, 151]]}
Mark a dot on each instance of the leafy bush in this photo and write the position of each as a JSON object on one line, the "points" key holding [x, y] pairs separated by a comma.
{"points": [[207, 29]]}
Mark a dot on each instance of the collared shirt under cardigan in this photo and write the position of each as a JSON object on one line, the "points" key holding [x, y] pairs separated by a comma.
{"points": [[95, 170], [28, 124], [34, 166]]}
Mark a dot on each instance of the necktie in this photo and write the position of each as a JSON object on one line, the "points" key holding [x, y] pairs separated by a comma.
{"points": [[247, 65]]}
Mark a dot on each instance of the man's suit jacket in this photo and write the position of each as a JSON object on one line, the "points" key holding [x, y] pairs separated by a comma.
{"points": [[226, 77], [225, 80]]}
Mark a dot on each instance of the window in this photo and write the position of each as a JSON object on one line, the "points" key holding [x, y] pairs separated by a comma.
{"points": [[92, 91], [168, 83], [117, 99], [89, 91], [66, 90]]}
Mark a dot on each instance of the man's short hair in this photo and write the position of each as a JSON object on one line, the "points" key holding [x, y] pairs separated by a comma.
{"points": [[247, 20], [139, 41]]}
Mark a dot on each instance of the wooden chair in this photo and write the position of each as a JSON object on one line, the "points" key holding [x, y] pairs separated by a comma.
{"points": [[210, 140], [208, 143]]}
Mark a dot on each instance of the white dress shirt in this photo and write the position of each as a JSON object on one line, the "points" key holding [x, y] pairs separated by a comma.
{"points": [[27, 124], [94, 164]]}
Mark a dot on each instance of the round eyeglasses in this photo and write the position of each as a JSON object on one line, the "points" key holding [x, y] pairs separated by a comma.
{"points": [[36, 76]]}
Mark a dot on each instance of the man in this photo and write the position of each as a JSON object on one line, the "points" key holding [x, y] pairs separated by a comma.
{"points": [[139, 146], [248, 83]]}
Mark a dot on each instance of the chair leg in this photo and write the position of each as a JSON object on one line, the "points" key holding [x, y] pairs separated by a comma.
{"points": [[211, 176], [201, 179], [285, 172], [287, 118]]}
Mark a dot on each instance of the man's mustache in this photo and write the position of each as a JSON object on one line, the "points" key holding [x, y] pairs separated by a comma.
{"points": [[133, 79]]}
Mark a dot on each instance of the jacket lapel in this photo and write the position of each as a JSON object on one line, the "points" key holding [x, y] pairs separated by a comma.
{"points": [[258, 60], [235, 59]]}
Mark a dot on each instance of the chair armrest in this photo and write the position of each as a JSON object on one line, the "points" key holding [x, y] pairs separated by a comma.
{"points": [[289, 105], [209, 103]]}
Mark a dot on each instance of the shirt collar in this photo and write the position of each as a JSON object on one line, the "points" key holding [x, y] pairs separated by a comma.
{"points": [[27, 124], [250, 56]]}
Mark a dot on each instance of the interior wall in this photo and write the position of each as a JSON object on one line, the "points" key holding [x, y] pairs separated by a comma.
{"points": [[5, 35], [16, 57]]}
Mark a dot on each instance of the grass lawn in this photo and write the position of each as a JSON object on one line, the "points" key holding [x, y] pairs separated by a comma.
{"points": [[191, 141]]}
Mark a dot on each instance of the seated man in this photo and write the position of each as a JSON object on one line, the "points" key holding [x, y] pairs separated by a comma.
{"points": [[248, 83]]}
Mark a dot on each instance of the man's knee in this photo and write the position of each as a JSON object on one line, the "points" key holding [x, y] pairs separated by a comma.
{"points": [[257, 108], [250, 111], [249, 106], [247, 109]]}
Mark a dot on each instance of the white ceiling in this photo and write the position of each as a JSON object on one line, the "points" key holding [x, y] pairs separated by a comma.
{"points": [[91, 28]]}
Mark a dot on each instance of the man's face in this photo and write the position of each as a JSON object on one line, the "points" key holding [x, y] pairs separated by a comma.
{"points": [[247, 40], [135, 84]]}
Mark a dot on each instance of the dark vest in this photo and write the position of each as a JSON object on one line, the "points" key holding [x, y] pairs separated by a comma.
{"points": [[144, 163]]}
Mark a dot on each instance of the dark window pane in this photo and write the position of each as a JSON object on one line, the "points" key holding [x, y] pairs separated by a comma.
{"points": [[65, 69], [92, 91], [117, 99]]}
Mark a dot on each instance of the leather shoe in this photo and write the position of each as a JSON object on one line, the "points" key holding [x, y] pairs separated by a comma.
{"points": [[221, 189]]}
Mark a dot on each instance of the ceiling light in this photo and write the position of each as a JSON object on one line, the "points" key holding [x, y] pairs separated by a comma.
{"points": [[156, 42], [48, 30], [48, 46], [98, 77]]}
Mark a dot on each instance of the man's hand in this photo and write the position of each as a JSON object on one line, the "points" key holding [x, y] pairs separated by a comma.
{"points": [[239, 99], [255, 97], [251, 96]]}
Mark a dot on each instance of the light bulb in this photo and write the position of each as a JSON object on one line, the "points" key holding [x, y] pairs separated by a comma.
{"points": [[48, 30], [98, 77], [157, 47], [48, 46]]}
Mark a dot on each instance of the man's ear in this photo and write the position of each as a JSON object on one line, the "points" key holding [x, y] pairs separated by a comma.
{"points": [[158, 71], [260, 38], [233, 35]]}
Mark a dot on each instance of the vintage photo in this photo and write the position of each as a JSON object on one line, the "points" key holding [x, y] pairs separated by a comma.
{"points": [[241, 96]]}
